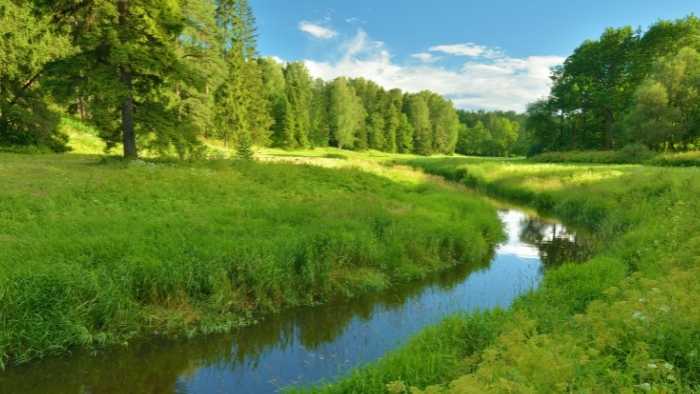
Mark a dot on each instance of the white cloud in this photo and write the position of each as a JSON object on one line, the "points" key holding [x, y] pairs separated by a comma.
{"points": [[503, 83], [278, 59], [425, 57], [317, 31], [468, 49]]}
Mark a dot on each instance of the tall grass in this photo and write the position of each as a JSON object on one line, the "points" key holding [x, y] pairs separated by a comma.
{"points": [[625, 321], [633, 154], [96, 252]]}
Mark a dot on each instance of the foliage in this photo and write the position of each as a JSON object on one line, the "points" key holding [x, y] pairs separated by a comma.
{"points": [[625, 87], [666, 109], [27, 47], [683, 159], [492, 134], [630, 154]]}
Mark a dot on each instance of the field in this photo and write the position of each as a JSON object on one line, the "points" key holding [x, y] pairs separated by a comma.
{"points": [[627, 320], [95, 251]]}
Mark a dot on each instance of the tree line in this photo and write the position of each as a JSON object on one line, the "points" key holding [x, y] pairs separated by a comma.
{"points": [[627, 87], [492, 133], [162, 74]]}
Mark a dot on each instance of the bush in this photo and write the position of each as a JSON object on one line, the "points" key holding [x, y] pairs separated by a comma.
{"points": [[685, 159], [635, 153]]}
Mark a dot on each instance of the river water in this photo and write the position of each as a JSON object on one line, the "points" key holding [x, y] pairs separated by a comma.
{"points": [[306, 346]]}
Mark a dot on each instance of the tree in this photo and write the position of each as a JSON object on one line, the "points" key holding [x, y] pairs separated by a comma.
{"points": [[666, 110], [376, 129], [232, 101], [274, 87], [445, 124], [27, 49], [320, 127], [504, 133], [392, 121], [299, 96], [475, 140], [346, 114], [404, 135], [419, 117], [242, 107], [127, 60]]}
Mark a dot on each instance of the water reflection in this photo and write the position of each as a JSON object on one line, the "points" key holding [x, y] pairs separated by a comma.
{"points": [[555, 244], [307, 345]]}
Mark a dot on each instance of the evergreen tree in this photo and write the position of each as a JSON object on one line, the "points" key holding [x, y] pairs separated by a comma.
{"points": [[126, 61], [27, 49], [376, 129], [320, 127], [404, 135], [274, 87], [299, 96], [244, 146], [242, 107], [232, 101], [392, 121]]}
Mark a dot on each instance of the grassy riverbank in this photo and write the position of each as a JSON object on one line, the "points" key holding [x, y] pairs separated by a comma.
{"points": [[94, 251], [625, 321]]}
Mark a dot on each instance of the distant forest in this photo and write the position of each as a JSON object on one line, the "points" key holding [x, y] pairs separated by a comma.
{"points": [[162, 75]]}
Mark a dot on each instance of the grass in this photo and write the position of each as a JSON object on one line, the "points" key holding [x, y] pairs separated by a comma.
{"points": [[625, 321], [684, 159], [95, 251], [633, 155]]}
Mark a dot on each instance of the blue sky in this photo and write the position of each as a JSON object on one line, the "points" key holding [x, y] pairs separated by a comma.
{"points": [[491, 54]]}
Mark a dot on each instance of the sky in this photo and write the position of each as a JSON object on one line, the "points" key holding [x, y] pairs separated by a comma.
{"points": [[487, 54]]}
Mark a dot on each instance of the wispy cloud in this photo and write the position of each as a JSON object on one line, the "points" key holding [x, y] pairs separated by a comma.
{"points": [[484, 82], [355, 20], [468, 49], [316, 30], [425, 57]]}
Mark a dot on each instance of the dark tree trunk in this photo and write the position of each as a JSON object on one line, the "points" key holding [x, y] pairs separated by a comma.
{"points": [[128, 117], [128, 102]]}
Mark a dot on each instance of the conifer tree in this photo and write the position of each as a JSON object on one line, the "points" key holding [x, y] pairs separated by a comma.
{"points": [[299, 96], [126, 61], [404, 135], [27, 49], [320, 128]]}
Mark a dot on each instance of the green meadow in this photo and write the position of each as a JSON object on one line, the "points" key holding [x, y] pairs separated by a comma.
{"points": [[95, 251], [625, 321]]}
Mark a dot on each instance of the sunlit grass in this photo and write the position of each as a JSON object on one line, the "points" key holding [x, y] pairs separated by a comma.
{"points": [[96, 251], [627, 320]]}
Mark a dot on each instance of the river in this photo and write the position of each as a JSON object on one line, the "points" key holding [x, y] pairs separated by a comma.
{"points": [[305, 346]]}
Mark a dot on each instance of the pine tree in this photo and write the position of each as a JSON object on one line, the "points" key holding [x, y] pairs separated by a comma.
{"points": [[299, 95], [127, 56], [244, 146], [27, 49], [376, 131], [274, 87], [404, 135], [320, 128], [242, 109]]}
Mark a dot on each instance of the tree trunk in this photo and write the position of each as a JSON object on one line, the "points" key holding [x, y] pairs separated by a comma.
{"points": [[127, 109], [128, 117]]}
